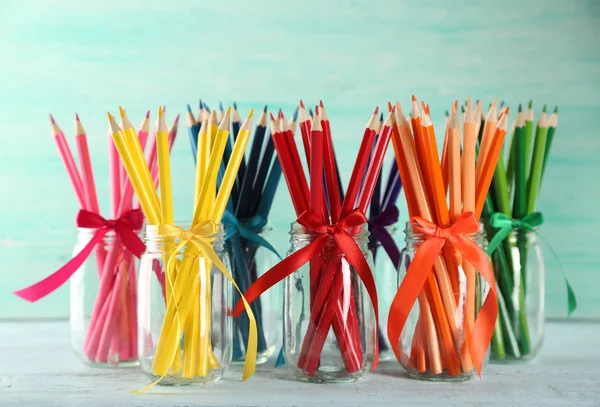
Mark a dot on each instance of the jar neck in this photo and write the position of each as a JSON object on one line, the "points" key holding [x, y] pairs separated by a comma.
{"points": [[301, 236], [155, 241], [84, 235], [414, 238]]}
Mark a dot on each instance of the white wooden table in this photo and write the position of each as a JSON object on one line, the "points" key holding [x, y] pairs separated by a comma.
{"points": [[38, 368]]}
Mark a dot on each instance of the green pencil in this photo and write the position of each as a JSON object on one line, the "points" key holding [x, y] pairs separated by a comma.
{"points": [[529, 124], [537, 161], [552, 124]]}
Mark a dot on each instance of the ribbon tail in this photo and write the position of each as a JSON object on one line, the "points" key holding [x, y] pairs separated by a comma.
{"points": [[256, 238], [251, 351], [409, 290], [486, 319], [280, 358], [571, 298], [49, 284], [498, 239], [388, 244], [357, 259], [130, 240], [280, 271]]}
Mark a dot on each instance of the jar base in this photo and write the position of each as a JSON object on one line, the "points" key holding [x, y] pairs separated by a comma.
{"points": [[111, 365], [442, 377], [261, 357], [511, 360], [385, 355], [329, 374], [178, 381]]}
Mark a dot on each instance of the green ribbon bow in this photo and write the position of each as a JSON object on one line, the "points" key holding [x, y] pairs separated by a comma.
{"points": [[506, 225]]}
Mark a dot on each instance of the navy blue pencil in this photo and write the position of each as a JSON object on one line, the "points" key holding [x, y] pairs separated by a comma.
{"points": [[261, 176], [393, 174], [252, 168]]}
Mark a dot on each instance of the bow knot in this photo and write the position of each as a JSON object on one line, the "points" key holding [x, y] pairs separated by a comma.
{"points": [[248, 229], [125, 229]]}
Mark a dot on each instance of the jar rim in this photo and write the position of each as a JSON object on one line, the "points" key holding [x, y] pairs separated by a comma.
{"points": [[299, 230], [151, 231]]}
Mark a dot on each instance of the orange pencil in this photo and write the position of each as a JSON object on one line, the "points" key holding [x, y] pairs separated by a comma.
{"points": [[489, 130], [489, 165]]}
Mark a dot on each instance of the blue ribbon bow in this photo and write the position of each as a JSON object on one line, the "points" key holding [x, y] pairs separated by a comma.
{"points": [[248, 230]]}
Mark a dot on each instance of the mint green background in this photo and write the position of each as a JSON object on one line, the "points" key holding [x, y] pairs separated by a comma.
{"points": [[67, 56]]}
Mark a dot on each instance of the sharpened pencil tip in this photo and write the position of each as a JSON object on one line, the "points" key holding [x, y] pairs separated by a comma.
{"points": [[176, 119], [228, 112], [200, 103], [265, 109], [295, 116], [545, 109], [390, 107], [190, 108], [281, 113], [447, 114], [414, 99], [148, 113], [520, 108], [381, 116], [51, 118], [251, 112], [317, 110], [110, 118], [76, 117], [530, 103], [160, 111], [507, 110], [235, 105], [321, 103], [164, 108], [121, 111], [310, 112], [301, 103], [220, 106], [205, 107], [556, 109], [271, 116], [376, 111]]}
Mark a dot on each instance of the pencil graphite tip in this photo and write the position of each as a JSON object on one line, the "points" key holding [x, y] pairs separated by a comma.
{"points": [[200, 103], [76, 117], [164, 108], [160, 111], [189, 108], [447, 114], [235, 105], [265, 109], [530, 103], [310, 112], [545, 108], [251, 113], [317, 110], [414, 99], [121, 111], [281, 113], [205, 107], [389, 106], [110, 117], [376, 111], [556, 109], [301, 104], [176, 119], [381, 116], [295, 116], [51, 118], [220, 106], [321, 103], [228, 112], [148, 114], [520, 108], [271, 116]]}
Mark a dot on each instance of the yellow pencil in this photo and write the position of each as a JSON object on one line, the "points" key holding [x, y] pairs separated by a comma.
{"points": [[149, 207]]}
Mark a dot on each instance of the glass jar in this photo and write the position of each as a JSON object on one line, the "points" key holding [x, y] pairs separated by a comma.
{"points": [[337, 342], [186, 341], [433, 341], [103, 303], [519, 269], [386, 280], [250, 260]]}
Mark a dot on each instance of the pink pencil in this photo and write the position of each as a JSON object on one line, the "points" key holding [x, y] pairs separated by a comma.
{"points": [[114, 173], [68, 161], [143, 132]]}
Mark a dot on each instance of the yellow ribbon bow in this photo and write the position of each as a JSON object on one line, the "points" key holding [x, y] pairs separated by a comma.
{"points": [[201, 236]]}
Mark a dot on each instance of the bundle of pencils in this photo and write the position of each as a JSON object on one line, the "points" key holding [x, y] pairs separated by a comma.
{"points": [[522, 176], [247, 211], [322, 203], [447, 310], [188, 291]]}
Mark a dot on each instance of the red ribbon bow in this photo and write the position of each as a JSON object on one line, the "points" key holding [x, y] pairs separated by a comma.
{"points": [[421, 266], [124, 228], [345, 242]]}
